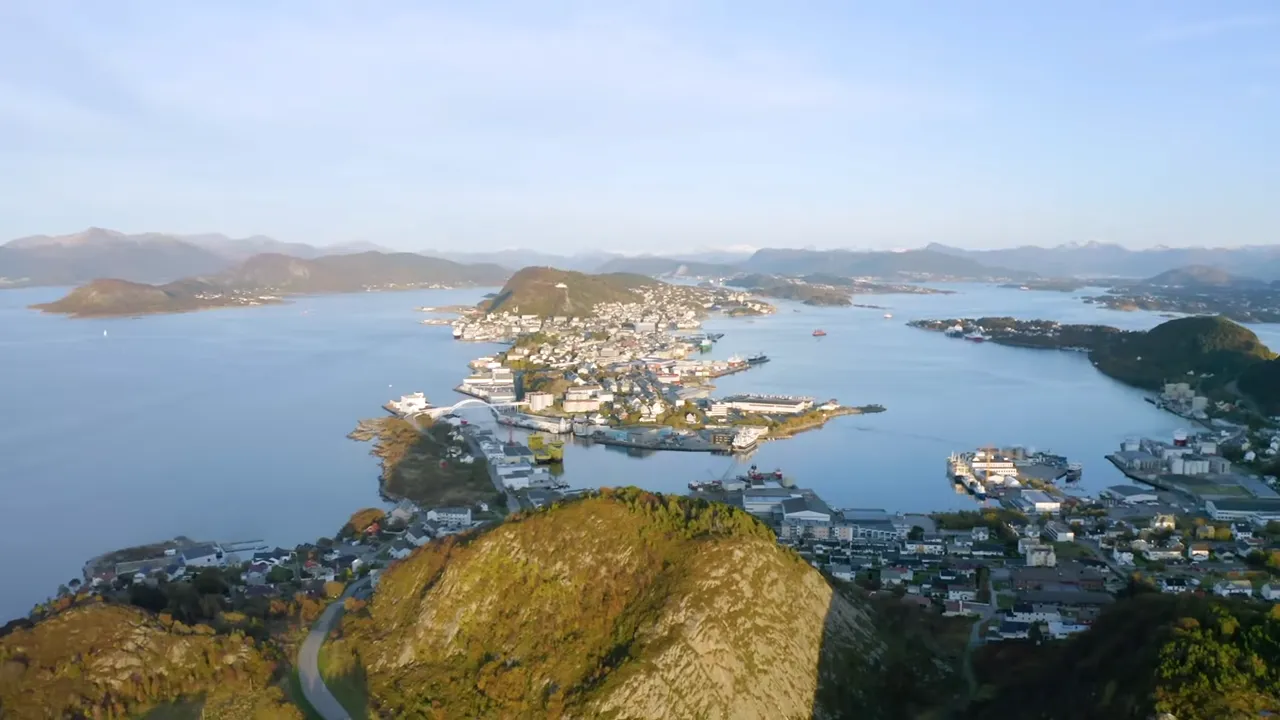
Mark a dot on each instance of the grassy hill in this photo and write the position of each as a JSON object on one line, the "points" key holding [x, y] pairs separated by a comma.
{"points": [[1196, 658], [623, 605], [104, 298], [1173, 350], [537, 291], [112, 661]]}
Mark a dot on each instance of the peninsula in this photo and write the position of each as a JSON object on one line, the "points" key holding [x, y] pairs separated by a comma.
{"points": [[268, 278], [821, 289], [1198, 290], [1225, 360]]}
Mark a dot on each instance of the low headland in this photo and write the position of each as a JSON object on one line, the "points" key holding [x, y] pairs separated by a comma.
{"points": [[1221, 360], [424, 462]]}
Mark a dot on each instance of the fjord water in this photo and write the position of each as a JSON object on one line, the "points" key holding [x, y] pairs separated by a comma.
{"points": [[230, 424]]}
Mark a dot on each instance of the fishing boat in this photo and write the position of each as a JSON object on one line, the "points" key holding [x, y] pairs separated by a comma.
{"points": [[819, 333], [757, 359]]}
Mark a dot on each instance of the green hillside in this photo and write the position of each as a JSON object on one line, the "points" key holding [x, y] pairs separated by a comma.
{"points": [[538, 291], [1177, 349], [623, 605], [111, 661], [1196, 658]]}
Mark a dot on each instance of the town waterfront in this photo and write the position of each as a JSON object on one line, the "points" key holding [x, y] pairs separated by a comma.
{"points": [[231, 424]]}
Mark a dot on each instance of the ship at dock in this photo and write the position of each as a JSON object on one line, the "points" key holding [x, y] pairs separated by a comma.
{"points": [[988, 472], [752, 478]]}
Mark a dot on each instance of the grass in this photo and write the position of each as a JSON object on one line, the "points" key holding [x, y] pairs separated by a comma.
{"points": [[1071, 551], [1004, 602], [345, 679]]}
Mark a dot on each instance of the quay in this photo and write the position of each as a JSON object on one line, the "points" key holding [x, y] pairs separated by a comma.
{"points": [[557, 425]]}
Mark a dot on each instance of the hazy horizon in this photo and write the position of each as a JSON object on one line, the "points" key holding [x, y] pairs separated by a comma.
{"points": [[571, 127]]}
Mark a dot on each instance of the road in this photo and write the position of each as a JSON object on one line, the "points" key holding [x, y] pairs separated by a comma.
{"points": [[313, 686], [975, 638]]}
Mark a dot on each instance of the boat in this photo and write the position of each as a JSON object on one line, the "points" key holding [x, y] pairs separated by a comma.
{"points": [[888, 316], [954, 331], [457, 332], [104, 333], [755, 475], [976, 336], [705, 344], [819, 333], [757, 359]]}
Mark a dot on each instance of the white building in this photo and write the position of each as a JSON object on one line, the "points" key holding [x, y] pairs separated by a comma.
{"points": [[1058, 532], [539, 401], [205, 555], [450, 515], [769, 404], [1041, 556], [1039, 501], [1227, 588], [1227, 509]]}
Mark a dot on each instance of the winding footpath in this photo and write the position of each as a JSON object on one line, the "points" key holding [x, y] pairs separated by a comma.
{"points": [[313, 687]]}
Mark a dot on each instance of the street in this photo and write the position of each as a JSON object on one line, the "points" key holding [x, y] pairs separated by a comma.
{"points": [[312, 683]]}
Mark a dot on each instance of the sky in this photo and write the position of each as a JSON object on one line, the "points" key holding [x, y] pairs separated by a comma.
{"points": [[658, 126]]}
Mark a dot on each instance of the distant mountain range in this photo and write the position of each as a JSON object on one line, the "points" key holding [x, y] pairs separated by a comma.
{"points": [[1102, 260], [144, 257], [272, 275], [160, 258]]}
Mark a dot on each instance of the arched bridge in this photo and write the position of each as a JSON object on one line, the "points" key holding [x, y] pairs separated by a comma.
{"points": [[471, 402]]}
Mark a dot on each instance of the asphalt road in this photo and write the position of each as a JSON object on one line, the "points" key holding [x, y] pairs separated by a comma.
{"points": [[313, 687]]}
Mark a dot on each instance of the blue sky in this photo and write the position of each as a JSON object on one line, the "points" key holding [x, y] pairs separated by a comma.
{"points": [[645, 126]]}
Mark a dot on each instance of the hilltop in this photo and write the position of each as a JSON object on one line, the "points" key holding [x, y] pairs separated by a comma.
{"points": [[1193, 657], [117, 661], [623, 605], [261, 278], [1196, 346], [547, 291]]}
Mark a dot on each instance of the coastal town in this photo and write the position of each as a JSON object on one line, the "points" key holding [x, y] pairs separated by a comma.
{"points": [[1036, 559]]}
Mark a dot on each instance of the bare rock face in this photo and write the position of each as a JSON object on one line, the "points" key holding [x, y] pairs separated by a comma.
{"points": [[628, 605]]}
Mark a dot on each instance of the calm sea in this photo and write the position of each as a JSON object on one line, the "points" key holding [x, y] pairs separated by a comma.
{"points": [[230, 424]]}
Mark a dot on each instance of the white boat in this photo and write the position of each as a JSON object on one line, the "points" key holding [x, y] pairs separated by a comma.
{"points": [[457, 332], [104, 333], [888, 316]]}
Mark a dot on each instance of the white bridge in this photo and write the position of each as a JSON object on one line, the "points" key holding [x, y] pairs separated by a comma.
{"points": [[437, 412]]}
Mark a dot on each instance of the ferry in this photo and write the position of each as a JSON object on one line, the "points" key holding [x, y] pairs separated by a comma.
{"points": [[457, 332], [819, 333], [757, 359], [976, 336]]}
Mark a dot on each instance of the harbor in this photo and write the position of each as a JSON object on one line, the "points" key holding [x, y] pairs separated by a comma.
{"points": [[1007, 474]]}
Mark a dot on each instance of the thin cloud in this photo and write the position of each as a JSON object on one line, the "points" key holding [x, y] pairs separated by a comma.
{"points": [[1210, 28]]}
